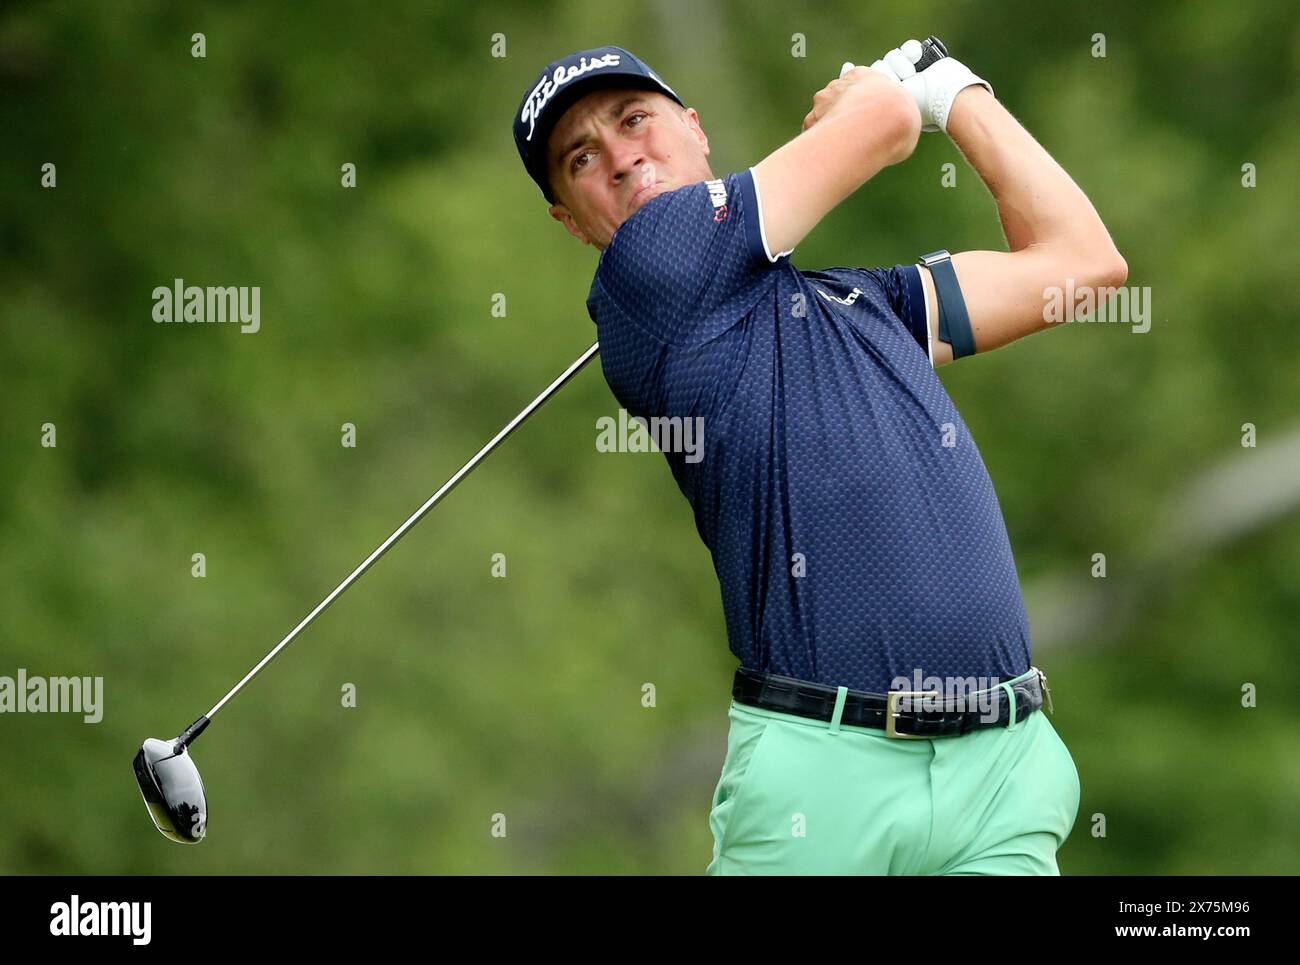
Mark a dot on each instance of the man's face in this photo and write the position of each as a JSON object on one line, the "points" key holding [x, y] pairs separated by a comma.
{"points": [[613, 151]]}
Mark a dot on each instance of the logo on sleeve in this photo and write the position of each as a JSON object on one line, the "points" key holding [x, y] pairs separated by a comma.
{"points": [[718, 195]]}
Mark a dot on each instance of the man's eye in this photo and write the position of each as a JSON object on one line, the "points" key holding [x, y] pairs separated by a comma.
{"points": [[575, 163]]}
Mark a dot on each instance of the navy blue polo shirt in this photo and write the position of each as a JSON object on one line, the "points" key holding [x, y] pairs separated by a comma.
{"points": [[853, 527]]}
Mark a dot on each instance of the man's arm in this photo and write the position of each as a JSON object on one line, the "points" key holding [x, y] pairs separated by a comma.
{"points": [[859, 124], [1051, 227]]}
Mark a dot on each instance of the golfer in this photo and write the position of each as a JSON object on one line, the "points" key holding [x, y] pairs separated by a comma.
{"points": [[886, 717]]}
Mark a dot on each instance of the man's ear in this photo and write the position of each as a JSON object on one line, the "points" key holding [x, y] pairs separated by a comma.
{"points": [[691, 118], [561, 214]]}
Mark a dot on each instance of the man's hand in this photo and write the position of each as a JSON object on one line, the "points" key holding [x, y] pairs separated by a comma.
{"points": [[934, 88]]}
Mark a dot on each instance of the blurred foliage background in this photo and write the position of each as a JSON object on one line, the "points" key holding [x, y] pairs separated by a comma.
{"points": [[522, 695]]}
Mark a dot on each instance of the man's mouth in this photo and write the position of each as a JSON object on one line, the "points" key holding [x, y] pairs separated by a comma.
{"points": [[643, 195]]}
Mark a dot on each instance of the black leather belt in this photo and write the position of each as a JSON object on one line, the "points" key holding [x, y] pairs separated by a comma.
{"points": [[903, 714]]}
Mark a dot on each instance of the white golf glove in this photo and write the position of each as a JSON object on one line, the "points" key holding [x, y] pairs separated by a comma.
{"points": [[934, 88]]}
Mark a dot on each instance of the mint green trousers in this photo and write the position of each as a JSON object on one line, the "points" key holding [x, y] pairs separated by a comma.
{"points": [[799, 796]]}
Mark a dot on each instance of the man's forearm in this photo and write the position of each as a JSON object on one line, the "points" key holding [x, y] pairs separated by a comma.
{"points": [[1039, 203]]}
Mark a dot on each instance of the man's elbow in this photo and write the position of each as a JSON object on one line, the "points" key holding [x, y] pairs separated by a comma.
{"points": [[1105, 268], [1114, 270]]}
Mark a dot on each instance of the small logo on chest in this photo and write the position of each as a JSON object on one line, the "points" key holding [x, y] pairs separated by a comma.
{"points": [[852, 296]]}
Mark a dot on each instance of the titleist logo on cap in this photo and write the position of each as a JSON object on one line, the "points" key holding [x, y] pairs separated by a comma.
{"points": [[547, 86]]}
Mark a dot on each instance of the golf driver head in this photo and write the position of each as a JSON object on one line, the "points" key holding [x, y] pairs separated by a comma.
{"points": [[172, 789]]}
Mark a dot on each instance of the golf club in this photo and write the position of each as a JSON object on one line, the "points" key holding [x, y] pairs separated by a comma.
{"points": [[932, 50], [168, 778]]}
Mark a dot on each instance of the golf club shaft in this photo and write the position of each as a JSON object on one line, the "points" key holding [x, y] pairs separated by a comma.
{"points": [[415, 517]]}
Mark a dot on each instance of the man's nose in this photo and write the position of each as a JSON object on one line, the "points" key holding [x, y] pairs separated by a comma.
{"points": [[627, 161]]}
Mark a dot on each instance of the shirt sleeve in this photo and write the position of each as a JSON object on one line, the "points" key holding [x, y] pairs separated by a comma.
{"points": [[690, 263], [906, 296]]}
